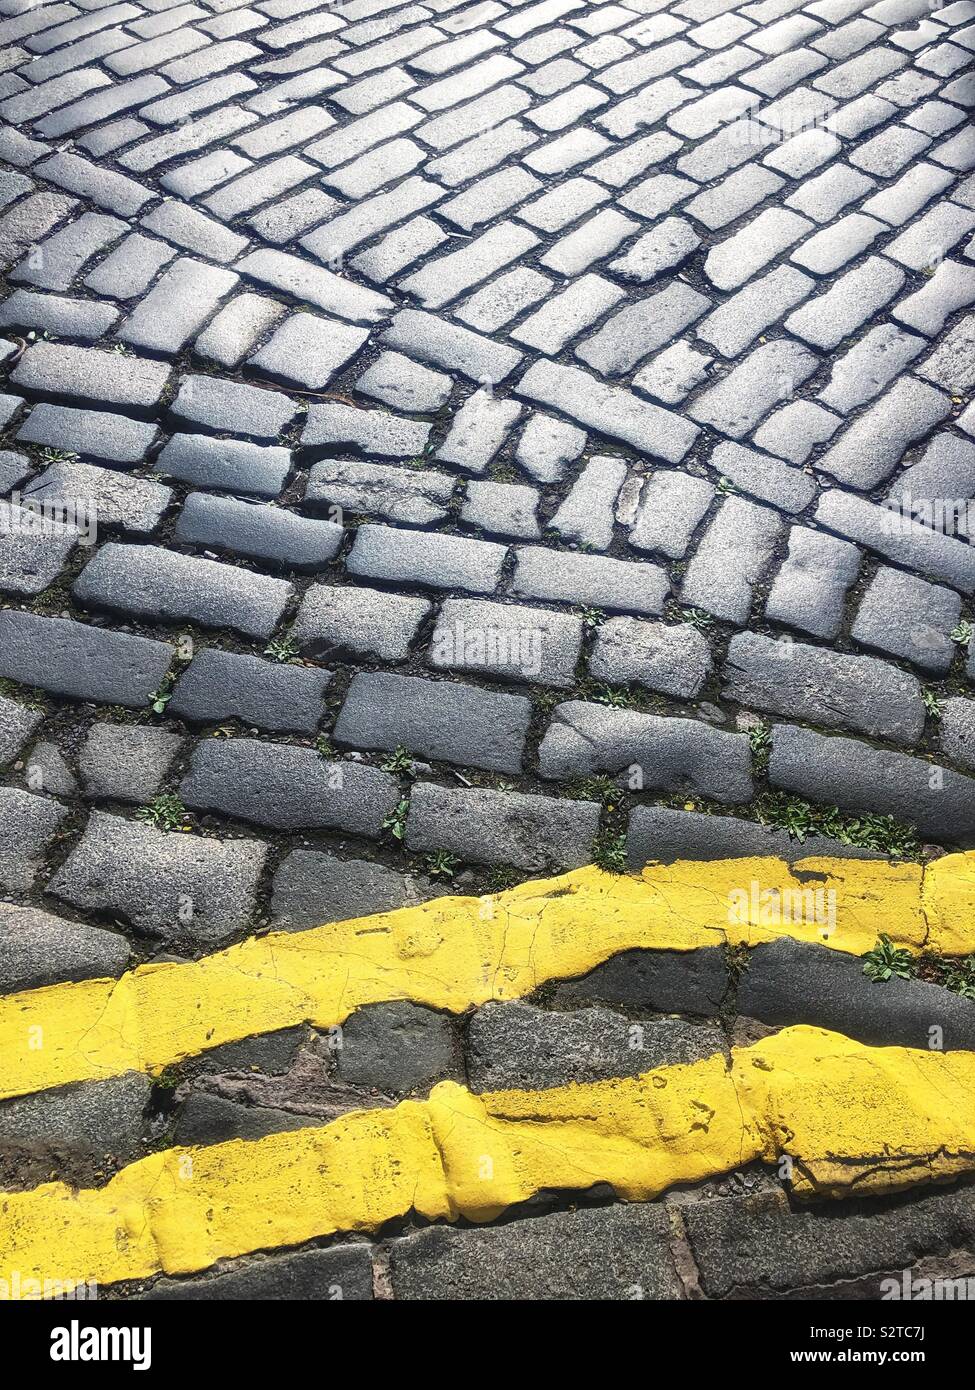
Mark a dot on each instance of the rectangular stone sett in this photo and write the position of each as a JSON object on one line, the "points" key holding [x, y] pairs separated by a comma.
{"points": [[285, 787], [79, 662], [55, 369], [609, 410], [257, 530], [844, 772], [435, 719], [428, 560], [223, 685], [675, 755], [234, 465], [533, 833], [167, 587]]}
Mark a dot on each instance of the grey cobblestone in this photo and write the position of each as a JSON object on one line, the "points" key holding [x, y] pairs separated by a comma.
{"points": [[679, 755], [532, 833], [159, 584], [435, 719]]}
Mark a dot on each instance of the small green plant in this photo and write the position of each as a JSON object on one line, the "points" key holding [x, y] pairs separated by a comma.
{"points": [[545, 700], [725, 486], [58, 456], [166, 812], [395, 822], [698, 618], [501, 879], [440, 864], [867, 831], [962, 634], [323, 746], [282, 649], [609, 851], [599, 788], [932, 702], [592, 617], [760, 739], [611, 695], [399, 762], [160, 698], [887, 960], [958, 976]]}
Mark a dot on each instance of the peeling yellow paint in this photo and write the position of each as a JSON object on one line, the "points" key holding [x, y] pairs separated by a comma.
{"points": [[850, 1117], [457, 953]]}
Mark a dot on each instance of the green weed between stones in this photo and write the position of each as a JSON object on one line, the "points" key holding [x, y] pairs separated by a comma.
{"points": [[440, 864], [166, 812], [282, 649], [886, 961], [395, 822], [609, 851], [868, 831]]}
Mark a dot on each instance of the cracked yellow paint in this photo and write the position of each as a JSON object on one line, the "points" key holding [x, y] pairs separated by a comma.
{"points": [[851, 1118], [458, 953]]}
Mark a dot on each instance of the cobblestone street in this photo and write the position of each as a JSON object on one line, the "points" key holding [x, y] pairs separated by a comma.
{"points": [[447, 446]]}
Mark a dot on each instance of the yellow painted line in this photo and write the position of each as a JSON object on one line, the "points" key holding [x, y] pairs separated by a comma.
{"points": [[457, 953], [851, 1118]]}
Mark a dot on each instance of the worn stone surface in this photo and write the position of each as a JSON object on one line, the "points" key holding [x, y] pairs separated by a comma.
{"points": [[602, 370]]}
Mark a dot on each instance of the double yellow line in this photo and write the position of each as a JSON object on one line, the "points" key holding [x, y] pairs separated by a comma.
{"points": [[458, 953], [843, 1117]]}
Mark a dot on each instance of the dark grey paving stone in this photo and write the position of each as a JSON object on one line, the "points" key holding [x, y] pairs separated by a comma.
{"points": [[214, 1119], [223, 685], [663, 834], [229, 406], [287, 788], [789, 982], [127, 869], [828, 688], [399, 1047], [88, 433], [80, 662], [102, 497], [164, 586], [29, 825], [674, 659], [312, 887], [426, 559], [687, 982], [761, 1247], [518, 1047], [435, 719], [336, 620], [506, 642], [233, 465], [535, 833], [852, 775], [258, 530], [342, 1271], [59, 370], [17, 725], [673, 755], [37, 948], [90, 1120], [126, 762], [599, 1254]]}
